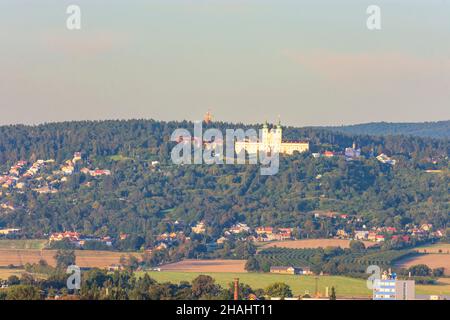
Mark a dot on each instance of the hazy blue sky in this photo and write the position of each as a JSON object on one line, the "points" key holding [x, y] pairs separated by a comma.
{"points": [[311, 62]]}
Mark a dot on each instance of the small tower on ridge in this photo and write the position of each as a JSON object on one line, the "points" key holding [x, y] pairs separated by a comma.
{"points": [[208, 118]]}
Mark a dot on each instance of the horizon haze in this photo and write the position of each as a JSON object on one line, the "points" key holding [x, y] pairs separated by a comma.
{"points": [[314, 63]]}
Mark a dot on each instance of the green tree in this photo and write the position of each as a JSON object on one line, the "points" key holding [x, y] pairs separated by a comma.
{"points": [[438, 272], [252, 264], [65, 258], [13, 280], [204, 287], [23, 292], [333, 294], [421, 270], [279, 289], [357, 246]]}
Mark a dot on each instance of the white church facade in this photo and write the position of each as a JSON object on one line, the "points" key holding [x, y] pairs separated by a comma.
{"points": [[271, 141]]}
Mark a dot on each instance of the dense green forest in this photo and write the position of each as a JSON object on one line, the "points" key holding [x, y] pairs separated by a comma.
{"points": [[145, 201], [439, 129]]}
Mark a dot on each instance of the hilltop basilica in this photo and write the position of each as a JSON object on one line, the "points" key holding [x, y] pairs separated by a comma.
{"points": [[271, 141]]}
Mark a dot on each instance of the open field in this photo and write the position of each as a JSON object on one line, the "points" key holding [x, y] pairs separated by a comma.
{"points": [[312, 243], [433, 260], [206, 266], [443, 248], [23, 244], [345, 287], [85, 258], [6, 273]]}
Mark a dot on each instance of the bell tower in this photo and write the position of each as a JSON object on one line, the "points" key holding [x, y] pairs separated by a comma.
{"points": [[265, 136]]}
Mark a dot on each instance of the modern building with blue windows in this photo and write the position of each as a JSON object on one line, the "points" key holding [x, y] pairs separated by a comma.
{"points": [[393, 289]]}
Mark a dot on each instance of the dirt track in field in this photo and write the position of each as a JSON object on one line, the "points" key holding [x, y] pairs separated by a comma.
{"points": [[85, 258], [313, 243], [206, 266], [432, 260]]}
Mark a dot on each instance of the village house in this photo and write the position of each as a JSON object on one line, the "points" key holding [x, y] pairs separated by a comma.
{"points": [[372, 236], [123, 236], [341, 234], [85, 170], [59, 236], [283, 234], [273, 234], [68, 168], [45, 189], [264, 230], [221, 240], [385, 159], [239, 228], [9, 231], [9, 182], [361, 235], [20, 185], [76, 157], [402, 238], [98, 172], [115, 267], [199, 228], [82, 241], [7, 206], [290, 270], [161, 246], [438, 233], [390, 229]]}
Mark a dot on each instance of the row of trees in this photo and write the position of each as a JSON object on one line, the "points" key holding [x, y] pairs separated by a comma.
{"points": [[125, 285]]}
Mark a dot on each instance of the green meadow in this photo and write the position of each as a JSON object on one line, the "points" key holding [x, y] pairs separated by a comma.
{"points": [[23, 244], [300, 285]]}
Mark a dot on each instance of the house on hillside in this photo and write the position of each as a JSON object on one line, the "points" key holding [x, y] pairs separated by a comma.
{"points": [[239, 228], [59, 236], [264, 230], [290, 270], [199, 228], [328, 154], [9, 231], [342, 234], [361, 235], [385, 159]]}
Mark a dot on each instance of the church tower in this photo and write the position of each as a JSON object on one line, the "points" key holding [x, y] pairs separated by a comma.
{"points": [[265, 139], [208, 117], [278, 135]]}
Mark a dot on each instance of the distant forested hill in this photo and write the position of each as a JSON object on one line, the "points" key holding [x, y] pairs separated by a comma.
{"points": [[142, 200], [440, 129]]}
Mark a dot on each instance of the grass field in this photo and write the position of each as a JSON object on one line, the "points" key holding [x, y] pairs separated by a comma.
{"points": [[23, 244], [6, 273], [312, 243], [345, 287], [85, 258]]}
